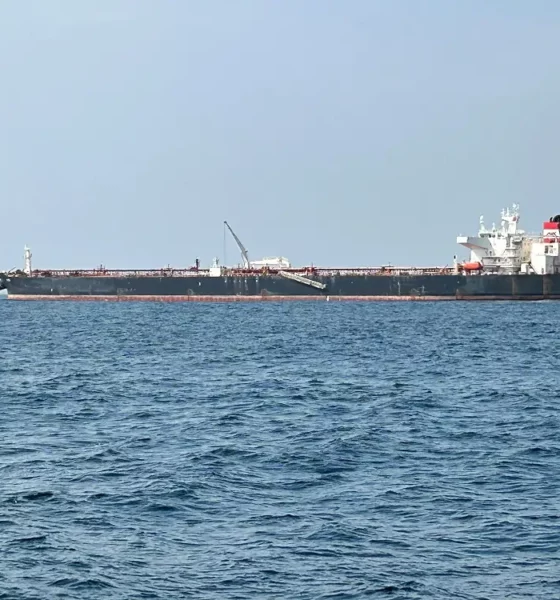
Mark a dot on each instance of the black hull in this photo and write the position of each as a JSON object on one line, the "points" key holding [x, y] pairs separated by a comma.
{"points": [[271, 287]]}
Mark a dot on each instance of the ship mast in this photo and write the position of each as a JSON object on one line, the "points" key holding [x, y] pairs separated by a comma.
{"points": [[27, 258], [242, 249]]}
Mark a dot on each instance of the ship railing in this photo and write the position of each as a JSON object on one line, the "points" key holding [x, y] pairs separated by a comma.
{"points": [[237, 272], [381, 271], [337, 271], [120, 272]]}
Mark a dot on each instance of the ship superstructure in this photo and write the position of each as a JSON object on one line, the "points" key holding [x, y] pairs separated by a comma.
{"points": [[508, 249]]}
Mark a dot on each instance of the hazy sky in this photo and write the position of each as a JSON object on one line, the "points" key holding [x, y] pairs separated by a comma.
{"points": [[337, 132]]}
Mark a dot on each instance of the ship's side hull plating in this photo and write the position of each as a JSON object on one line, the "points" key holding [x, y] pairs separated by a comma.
{"points": [[275, 287]]}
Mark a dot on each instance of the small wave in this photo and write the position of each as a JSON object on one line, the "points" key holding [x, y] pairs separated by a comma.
{"points": [[85, 585], [37, 496], [32, 539]]}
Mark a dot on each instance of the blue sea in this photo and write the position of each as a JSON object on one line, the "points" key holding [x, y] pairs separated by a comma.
{"points": [[291, 450]]}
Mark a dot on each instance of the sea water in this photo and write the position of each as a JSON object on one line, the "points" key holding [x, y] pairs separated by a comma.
{"points": [[297, 450]]}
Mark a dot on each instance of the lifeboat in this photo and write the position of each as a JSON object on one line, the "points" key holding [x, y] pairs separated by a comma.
{"points": [[472, 266]]}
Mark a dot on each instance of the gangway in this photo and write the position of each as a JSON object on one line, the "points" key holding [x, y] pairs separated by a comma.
{"points": [[303, 280]]}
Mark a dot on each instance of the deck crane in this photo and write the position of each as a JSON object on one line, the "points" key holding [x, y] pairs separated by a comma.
{"points": [[242, 249]]}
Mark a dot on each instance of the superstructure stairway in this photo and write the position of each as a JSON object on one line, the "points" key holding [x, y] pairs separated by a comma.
{"points": [[302, 280]]}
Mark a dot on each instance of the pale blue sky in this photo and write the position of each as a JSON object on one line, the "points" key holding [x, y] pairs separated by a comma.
{"points": [[330, 131]]}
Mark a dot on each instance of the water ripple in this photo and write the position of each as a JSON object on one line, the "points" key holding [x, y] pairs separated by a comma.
{"points": [[267, 451]]}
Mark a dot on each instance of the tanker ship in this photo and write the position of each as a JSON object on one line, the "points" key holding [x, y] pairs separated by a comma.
{"points": [[505, 263]]}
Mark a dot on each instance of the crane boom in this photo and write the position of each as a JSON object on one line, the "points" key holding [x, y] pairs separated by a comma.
{"points": [[242, 249]]}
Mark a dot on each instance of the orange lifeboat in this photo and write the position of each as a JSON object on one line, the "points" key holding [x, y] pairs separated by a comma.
{"points": [[472, 266]]}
